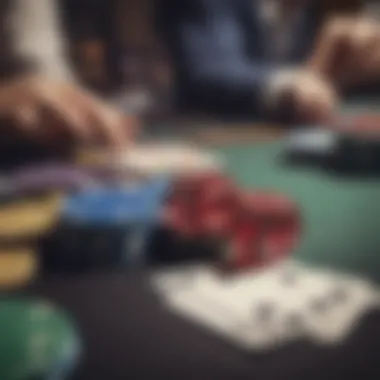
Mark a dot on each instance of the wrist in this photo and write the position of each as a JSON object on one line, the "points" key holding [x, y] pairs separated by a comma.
{"points": [[279, 83]]}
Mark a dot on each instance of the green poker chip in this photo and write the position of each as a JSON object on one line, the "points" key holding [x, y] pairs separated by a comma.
{"points": [[38, 341]]}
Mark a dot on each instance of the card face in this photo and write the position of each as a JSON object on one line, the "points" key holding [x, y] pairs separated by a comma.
{"points": [[209, 314], [267, 309]]}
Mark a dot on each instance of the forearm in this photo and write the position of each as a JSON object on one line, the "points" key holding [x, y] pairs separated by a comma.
{"points": [[37, 37]]}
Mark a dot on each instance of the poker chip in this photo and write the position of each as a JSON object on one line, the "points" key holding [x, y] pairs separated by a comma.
{"points": [[104, 227], [265, 229], [29, 218], [358, 146], [48, 177], [107, 205], [197, 215], [240, 229], [202, 203], [38, 341], [17, 267]]}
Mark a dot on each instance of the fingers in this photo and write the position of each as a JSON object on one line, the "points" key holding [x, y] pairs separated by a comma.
{"points": [[62, 114], [63, 118], [314, 100], [103, 125], [365, 45], [330, 45], [347, 51]]}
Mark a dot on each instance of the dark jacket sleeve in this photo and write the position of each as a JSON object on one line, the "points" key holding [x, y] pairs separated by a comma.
{"points": [[206, 41]]}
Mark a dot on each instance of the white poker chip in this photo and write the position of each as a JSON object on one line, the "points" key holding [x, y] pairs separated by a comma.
{"points": [[313, 141]]}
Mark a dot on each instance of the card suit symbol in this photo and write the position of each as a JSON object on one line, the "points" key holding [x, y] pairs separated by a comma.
{"points": [[294, 322], [339, 294], [264, 312], [319, 305]]}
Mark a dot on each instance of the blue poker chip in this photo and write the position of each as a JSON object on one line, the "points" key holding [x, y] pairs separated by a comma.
{"points": [[118, 205], [109, 226]]}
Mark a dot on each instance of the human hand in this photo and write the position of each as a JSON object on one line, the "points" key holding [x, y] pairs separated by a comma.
{"points": [[60, 113], [348, 51], [305, 96]]}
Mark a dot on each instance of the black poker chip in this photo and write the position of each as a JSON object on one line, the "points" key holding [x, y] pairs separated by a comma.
{"points": [[79, 248], [310, 147], [357, 150], [168, 246]]}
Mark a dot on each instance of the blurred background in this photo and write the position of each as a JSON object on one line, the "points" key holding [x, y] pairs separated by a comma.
{"points": [[116, 51]]}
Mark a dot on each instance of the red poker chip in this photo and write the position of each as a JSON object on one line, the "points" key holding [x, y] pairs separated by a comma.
{"points": [[179, 220], [278, 242], [201, 200], [266, 229], [246, 241], [253, 229], [267, 205], [236, 257]]}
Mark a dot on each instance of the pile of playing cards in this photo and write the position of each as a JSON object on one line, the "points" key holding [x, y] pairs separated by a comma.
{"points": [[266, 309]]}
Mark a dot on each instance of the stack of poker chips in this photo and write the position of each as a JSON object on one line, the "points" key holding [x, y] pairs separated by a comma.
{"points": [[358, 148], [22, 224], [349, 146], [106, 227], [31, 199], [209, 217], [38, 340]]}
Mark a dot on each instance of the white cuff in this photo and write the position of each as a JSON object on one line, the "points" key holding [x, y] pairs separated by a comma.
{"points": [[54, 67], [279, 83]]}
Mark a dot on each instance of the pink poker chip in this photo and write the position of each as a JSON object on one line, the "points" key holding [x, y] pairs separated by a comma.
{"points": [[51, 176]]}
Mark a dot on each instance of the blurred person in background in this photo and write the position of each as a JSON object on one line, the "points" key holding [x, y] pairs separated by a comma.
{"points": [[267, 58], [40, 98]]}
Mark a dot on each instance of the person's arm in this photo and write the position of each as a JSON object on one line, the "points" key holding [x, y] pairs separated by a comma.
{"points": [[37, 38], [207, 45]]}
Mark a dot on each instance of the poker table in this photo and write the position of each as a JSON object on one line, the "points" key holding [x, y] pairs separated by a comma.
{"points": [[341, 215], [127, 334]]}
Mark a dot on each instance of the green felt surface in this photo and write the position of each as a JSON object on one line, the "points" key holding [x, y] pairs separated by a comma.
{"points": [[341, 215]]}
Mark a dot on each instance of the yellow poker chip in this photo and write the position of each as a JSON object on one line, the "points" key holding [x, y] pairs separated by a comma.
{"points": [[17, 267], [29, 218]]}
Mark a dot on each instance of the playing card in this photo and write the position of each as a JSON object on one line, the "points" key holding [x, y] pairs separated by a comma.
{"points": [[266, 309], [211, 314]]}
